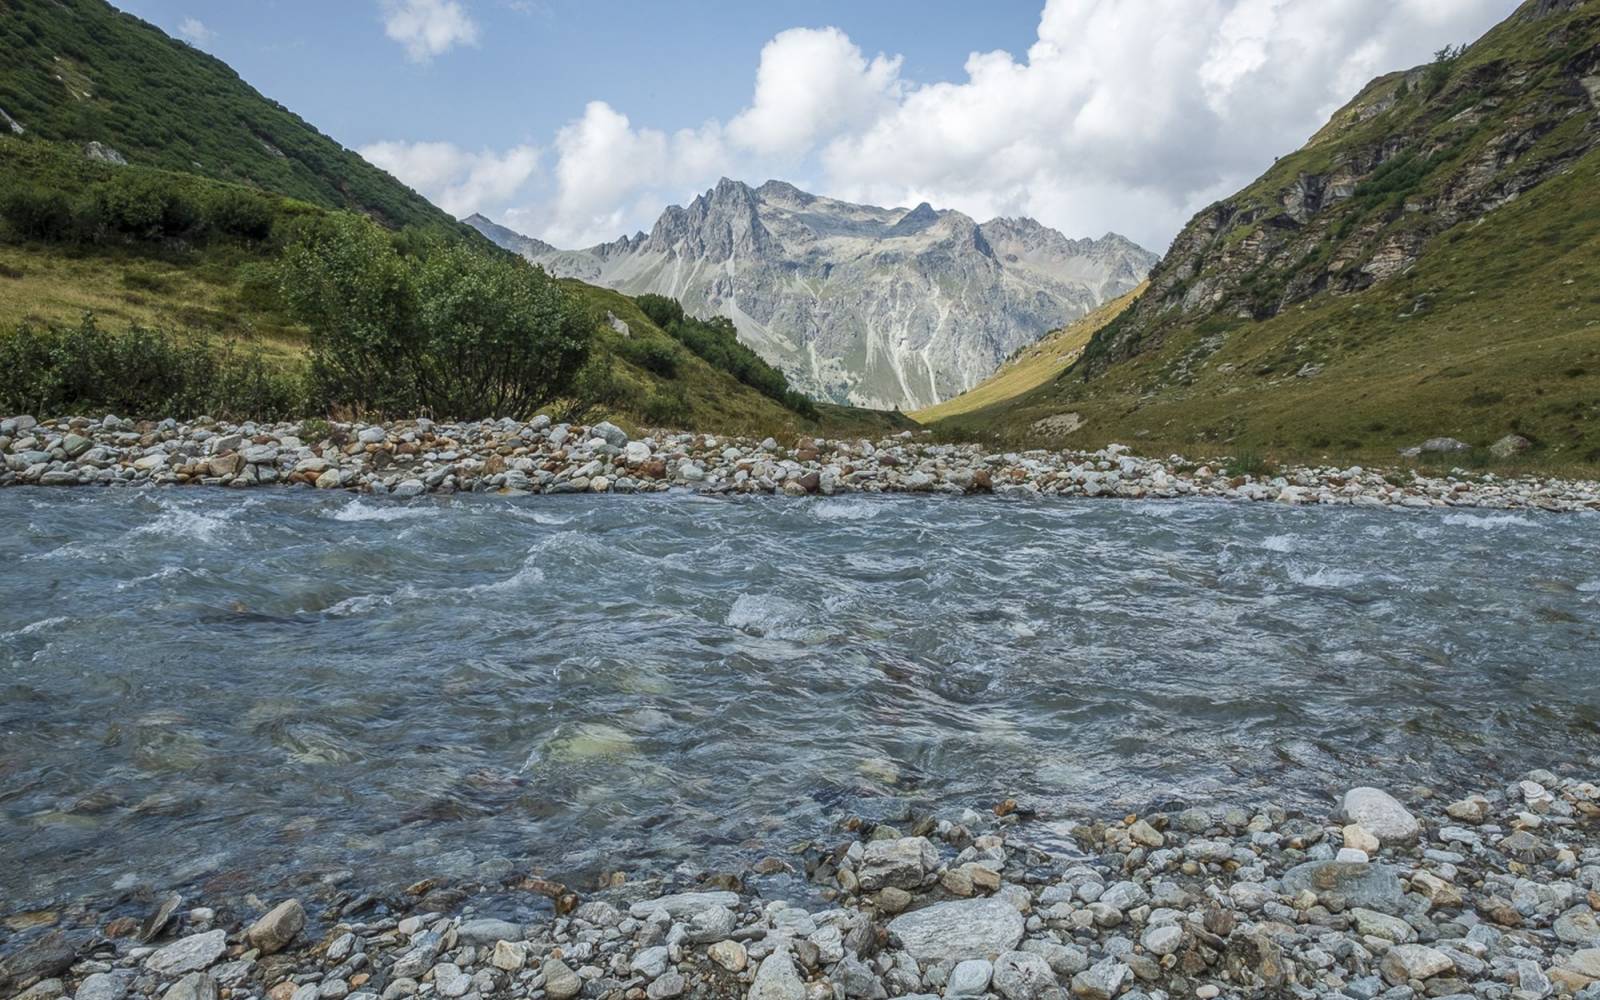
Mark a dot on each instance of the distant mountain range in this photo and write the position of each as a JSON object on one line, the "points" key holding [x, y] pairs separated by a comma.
{"points": [[870, 306]]}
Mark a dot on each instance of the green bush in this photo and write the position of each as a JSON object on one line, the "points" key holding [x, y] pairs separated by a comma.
{"points": [[139, 372], [666, 406], [447, 329], [240, 213], [34, 213], [652, 355], [141, 205], [660, 310]]}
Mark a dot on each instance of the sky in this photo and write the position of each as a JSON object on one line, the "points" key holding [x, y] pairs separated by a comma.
{"points": [[578, 121]]}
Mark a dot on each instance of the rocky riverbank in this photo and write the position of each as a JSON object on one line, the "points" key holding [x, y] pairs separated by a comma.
{"points": [[414, 457], [1491, 896]]}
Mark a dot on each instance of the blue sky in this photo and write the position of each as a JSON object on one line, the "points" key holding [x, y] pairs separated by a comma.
{"points": [[578, 122]]}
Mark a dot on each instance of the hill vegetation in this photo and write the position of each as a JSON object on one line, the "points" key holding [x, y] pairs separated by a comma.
{"points": [[210, 297], [81, 71], [1424, 266]]}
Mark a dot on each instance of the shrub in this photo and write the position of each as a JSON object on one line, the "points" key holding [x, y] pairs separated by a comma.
{"points": [[140, 205], [139, 372], [666, 406], [450, 330], [37, 214], [662, 311], [652, 355], [500, 337], [240, 213]]}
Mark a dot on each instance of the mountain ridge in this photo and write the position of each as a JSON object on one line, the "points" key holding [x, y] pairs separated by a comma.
{"points": [[1417, 269], [873, 306]]}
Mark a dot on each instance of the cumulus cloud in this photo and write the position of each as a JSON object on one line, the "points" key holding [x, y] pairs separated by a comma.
{"points": [[811, 85], [458, 181], [1125, 115], [194, 31], [428, 27]]}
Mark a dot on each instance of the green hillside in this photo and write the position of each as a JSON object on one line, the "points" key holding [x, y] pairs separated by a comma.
{"points": [[1426, 265], [80, 71]]}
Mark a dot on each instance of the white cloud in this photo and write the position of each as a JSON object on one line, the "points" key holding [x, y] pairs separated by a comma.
{"points": [[428, 27], [194, 31], [811, 85], [458, 181], [1123, 115]]}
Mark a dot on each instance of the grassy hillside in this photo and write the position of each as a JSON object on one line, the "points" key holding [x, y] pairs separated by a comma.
{"points": [[1033, 365], [80, 71], [179, 270], [1425, 266]]}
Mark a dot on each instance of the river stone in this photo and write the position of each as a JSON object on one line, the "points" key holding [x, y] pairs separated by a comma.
{"points": [[1022, 975], [683, 904], [194, 986], [610, 433], [1405, 962], [488, 931], [1100, 981], [714, 923], [1373, 886], [650, 962], [103, 986], [1375, 924], [277, 927], [731, 955], [670, 985], [509, 956], [450, 981], [900, 863], [191, 954], [1585, 962], [1381, 815], [959, 929], [969, 978], [1162, 940], [1578, 926], [560, 982], [40, 958], [776, 979]]}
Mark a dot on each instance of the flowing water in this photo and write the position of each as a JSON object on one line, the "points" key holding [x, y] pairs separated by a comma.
{"points": [[203, 684]]}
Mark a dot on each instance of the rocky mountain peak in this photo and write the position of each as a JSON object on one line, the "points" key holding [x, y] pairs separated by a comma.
{"points": [[856, 303]]}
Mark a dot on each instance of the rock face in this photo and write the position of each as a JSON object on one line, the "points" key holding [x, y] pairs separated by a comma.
{"points": [[959, 930], [871, 306]]}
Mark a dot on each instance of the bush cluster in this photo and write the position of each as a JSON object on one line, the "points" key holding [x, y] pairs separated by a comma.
{"points": [[140, 373], [138, 205], [443, 328]]}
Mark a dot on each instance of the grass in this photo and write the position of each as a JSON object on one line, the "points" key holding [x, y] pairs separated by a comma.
{"points": [[1495, 331], [1031, 367], [46, 285]]}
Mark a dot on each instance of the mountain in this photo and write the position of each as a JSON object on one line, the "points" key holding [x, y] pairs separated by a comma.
{"points": [[871, 306], [81, 71], [1424, 266], [507, 239]]}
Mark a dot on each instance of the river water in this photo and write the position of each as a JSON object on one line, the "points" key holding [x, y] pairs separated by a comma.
{"points": [[202, 684]]}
